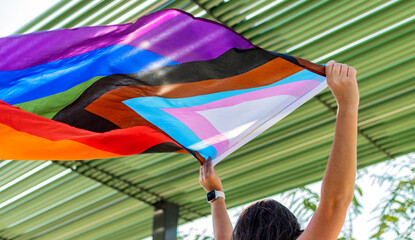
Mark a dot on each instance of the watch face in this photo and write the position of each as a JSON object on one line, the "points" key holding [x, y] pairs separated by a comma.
{"points": [[211, 195]]}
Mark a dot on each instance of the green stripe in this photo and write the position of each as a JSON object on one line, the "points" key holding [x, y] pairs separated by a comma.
{"points": [[48, 106]]}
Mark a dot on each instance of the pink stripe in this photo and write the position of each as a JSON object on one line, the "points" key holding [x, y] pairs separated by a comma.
{"points": [[208, 133], [295, 89], [202, 128]]}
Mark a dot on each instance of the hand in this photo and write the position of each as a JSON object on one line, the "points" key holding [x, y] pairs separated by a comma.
{"points": [[208, 178], [341, 80]]}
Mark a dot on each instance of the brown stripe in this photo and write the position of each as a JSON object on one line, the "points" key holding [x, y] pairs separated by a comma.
{"points": [[110, 106], [312, 67]]}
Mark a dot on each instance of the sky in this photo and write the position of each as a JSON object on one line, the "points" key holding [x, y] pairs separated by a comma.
{"points": [[16, 13]]}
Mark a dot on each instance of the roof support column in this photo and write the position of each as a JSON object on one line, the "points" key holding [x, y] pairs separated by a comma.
{"points": [[166, 218]]}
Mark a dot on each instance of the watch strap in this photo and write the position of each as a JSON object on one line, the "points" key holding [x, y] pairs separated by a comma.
{"points": [[220, 194], [213, 195]]}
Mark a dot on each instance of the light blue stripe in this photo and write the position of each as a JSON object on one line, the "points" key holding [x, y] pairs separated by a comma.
{"points": [[149, 108], [54, 77]]}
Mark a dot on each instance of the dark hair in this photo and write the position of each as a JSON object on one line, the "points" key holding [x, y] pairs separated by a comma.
{"points": [[267, 220]]}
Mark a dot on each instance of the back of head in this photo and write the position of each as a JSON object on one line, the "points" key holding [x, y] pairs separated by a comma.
{"points": [[267, 220]]}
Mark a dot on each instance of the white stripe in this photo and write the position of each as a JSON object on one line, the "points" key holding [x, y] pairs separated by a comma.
{"points": [[55, 205], [75, 15], [268, 123], [363, 39], [340, 26], [200, 14], [112, 3], [278, 13], [262, 9], [32, 189], [20, 178], [134, 11], [250, 7], [51, 17], [192, 9], [4, 163], [100, 21]]}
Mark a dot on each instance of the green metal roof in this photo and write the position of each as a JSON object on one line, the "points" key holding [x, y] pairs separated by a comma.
{"points": [[111, 198]]}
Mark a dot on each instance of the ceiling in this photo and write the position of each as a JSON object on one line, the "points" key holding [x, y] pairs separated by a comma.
{"points": [[112, 198]]}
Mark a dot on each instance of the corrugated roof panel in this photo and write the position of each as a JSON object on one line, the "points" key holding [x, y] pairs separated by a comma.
{"points": [[109, 198]]}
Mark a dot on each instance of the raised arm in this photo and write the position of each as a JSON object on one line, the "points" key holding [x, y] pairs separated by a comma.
{"points": [[339, 179], [210, 181]]}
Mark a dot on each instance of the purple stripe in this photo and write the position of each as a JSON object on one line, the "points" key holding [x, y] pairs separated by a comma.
{"points": [[172, 33]]}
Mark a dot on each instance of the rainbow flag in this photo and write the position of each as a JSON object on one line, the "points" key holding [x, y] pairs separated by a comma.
{"points": [[169, 82]]}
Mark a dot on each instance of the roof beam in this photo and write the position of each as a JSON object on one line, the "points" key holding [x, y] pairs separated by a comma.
{"points": [[366, 136], [165, 221], [359, 130], [121, 185]]}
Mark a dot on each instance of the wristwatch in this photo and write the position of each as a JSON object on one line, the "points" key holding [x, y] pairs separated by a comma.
{"points": [[213, 195]]}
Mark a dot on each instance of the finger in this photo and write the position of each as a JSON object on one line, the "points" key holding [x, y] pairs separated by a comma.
{"points": [[331, 62], [329, 68], [352, 72], [344, 70], [202, 172], [328, 71], [336, 69], [209, 166], [206, 169]]}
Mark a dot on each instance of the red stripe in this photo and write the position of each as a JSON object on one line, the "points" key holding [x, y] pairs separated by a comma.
{"points": [[126, 141]]}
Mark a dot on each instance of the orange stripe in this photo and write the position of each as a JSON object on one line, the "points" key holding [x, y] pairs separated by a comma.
{"points": [[28, 147]]}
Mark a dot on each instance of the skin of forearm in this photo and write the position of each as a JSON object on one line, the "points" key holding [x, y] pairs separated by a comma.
{"points": [[221, 222], [339, 179]]}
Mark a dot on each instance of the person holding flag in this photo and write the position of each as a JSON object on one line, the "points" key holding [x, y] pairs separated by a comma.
{"points": [[269, 219]]}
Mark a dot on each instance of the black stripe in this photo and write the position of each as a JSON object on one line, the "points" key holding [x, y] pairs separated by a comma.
{"points": [[163, 147], [288, 58], [231, 63]]}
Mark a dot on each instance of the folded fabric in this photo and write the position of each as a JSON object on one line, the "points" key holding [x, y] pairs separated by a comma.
{"points": [[168, 82]]}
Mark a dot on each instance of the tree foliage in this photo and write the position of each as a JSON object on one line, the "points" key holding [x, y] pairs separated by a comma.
{"points": [[304, 202], [397, 216], [394, 215]]}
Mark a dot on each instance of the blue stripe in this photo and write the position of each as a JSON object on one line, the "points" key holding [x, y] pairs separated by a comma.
{"points": [[58, 76], [149, 108]]}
